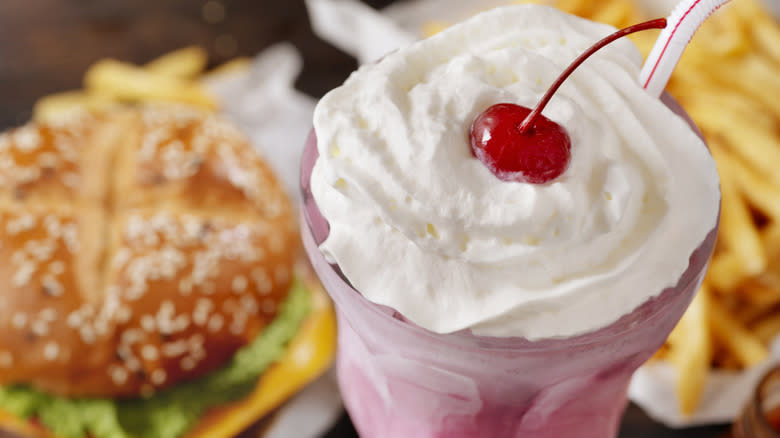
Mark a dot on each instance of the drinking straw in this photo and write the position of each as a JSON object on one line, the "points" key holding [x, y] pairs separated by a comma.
{"points": [[683, 22]]}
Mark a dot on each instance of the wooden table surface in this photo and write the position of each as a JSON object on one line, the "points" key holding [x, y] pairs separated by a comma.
{"points": [[47, 44]]}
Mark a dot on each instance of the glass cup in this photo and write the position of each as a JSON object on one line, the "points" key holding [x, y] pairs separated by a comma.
{"points": [[400, 380]]}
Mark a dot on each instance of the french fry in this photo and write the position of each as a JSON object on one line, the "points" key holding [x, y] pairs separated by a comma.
{"points": [[232, 66], [616, 12], [757, 146], [759, 300], [768, 328], [724, 35], [771, 238], [709, 108], [57, 105], [759, 192], [726, 273], [431, 28], [125, 81], [691, 351], [186, 63], [737, 230], [764, 30], [743, 345], [576, 7]]}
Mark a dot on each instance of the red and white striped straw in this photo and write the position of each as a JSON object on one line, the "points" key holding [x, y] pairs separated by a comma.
{"points": [[684, 21]]}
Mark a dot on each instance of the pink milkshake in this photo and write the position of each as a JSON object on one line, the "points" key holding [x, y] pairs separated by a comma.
{"points": [[476, 306]]}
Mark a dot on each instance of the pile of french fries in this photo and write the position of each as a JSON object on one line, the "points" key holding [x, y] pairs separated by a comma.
{"points": [[174, 77], [729, 82]]}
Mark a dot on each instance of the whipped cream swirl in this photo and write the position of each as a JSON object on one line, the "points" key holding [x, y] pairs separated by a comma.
{"points": [[420, 225]]}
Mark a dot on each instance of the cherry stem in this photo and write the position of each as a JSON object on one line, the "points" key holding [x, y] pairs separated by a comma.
{"points": [[528, 123]]}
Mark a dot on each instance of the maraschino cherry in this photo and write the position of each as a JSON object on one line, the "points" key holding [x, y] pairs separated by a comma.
{"points": [[520, 144]]}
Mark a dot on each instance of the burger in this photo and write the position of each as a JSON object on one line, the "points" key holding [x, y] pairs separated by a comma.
{"points": [[149, 279]]}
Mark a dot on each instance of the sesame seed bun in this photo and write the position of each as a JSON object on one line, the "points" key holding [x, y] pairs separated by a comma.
{"points": [[138, 249]]}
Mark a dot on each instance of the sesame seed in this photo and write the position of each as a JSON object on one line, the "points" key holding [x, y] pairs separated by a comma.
{"points": [[198, 355], [19, 320], [131, 336], [237, 327], [118, 375], [123, 351], [239, 284], [158, 377], [121, 257], [101, 327], [249, 304], [22, 223], [181, 322], [200, 314], [87, 334], [70, 236], [23, 275], [133, 364], [53, 227], [51, 350], [148, 323], [40, 327], [124, 314], [196, 341], [173, 349], [48, 314], [262, 281], [74, 319], [167, 308], [41, 250], [187, 364], [6, 359], [51, 286], [185, 286], [216, 322], [149, 352]]}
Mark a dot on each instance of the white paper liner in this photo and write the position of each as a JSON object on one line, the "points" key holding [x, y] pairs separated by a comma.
{"points": [[262, 101], [724, 397], [264, 104], [368, 34]]}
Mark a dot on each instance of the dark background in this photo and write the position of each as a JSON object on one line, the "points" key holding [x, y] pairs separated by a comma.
{"points": [[46, 45]]}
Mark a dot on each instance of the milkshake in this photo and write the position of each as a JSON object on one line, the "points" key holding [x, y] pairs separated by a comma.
{"points": [[471, 304]]}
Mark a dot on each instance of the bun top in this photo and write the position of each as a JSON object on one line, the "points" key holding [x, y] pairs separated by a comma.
{"points": [[138, 248]]}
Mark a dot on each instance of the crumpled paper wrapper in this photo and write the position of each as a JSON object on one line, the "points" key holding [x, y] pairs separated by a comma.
{"points": [[262, 101], [369, 34]]}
